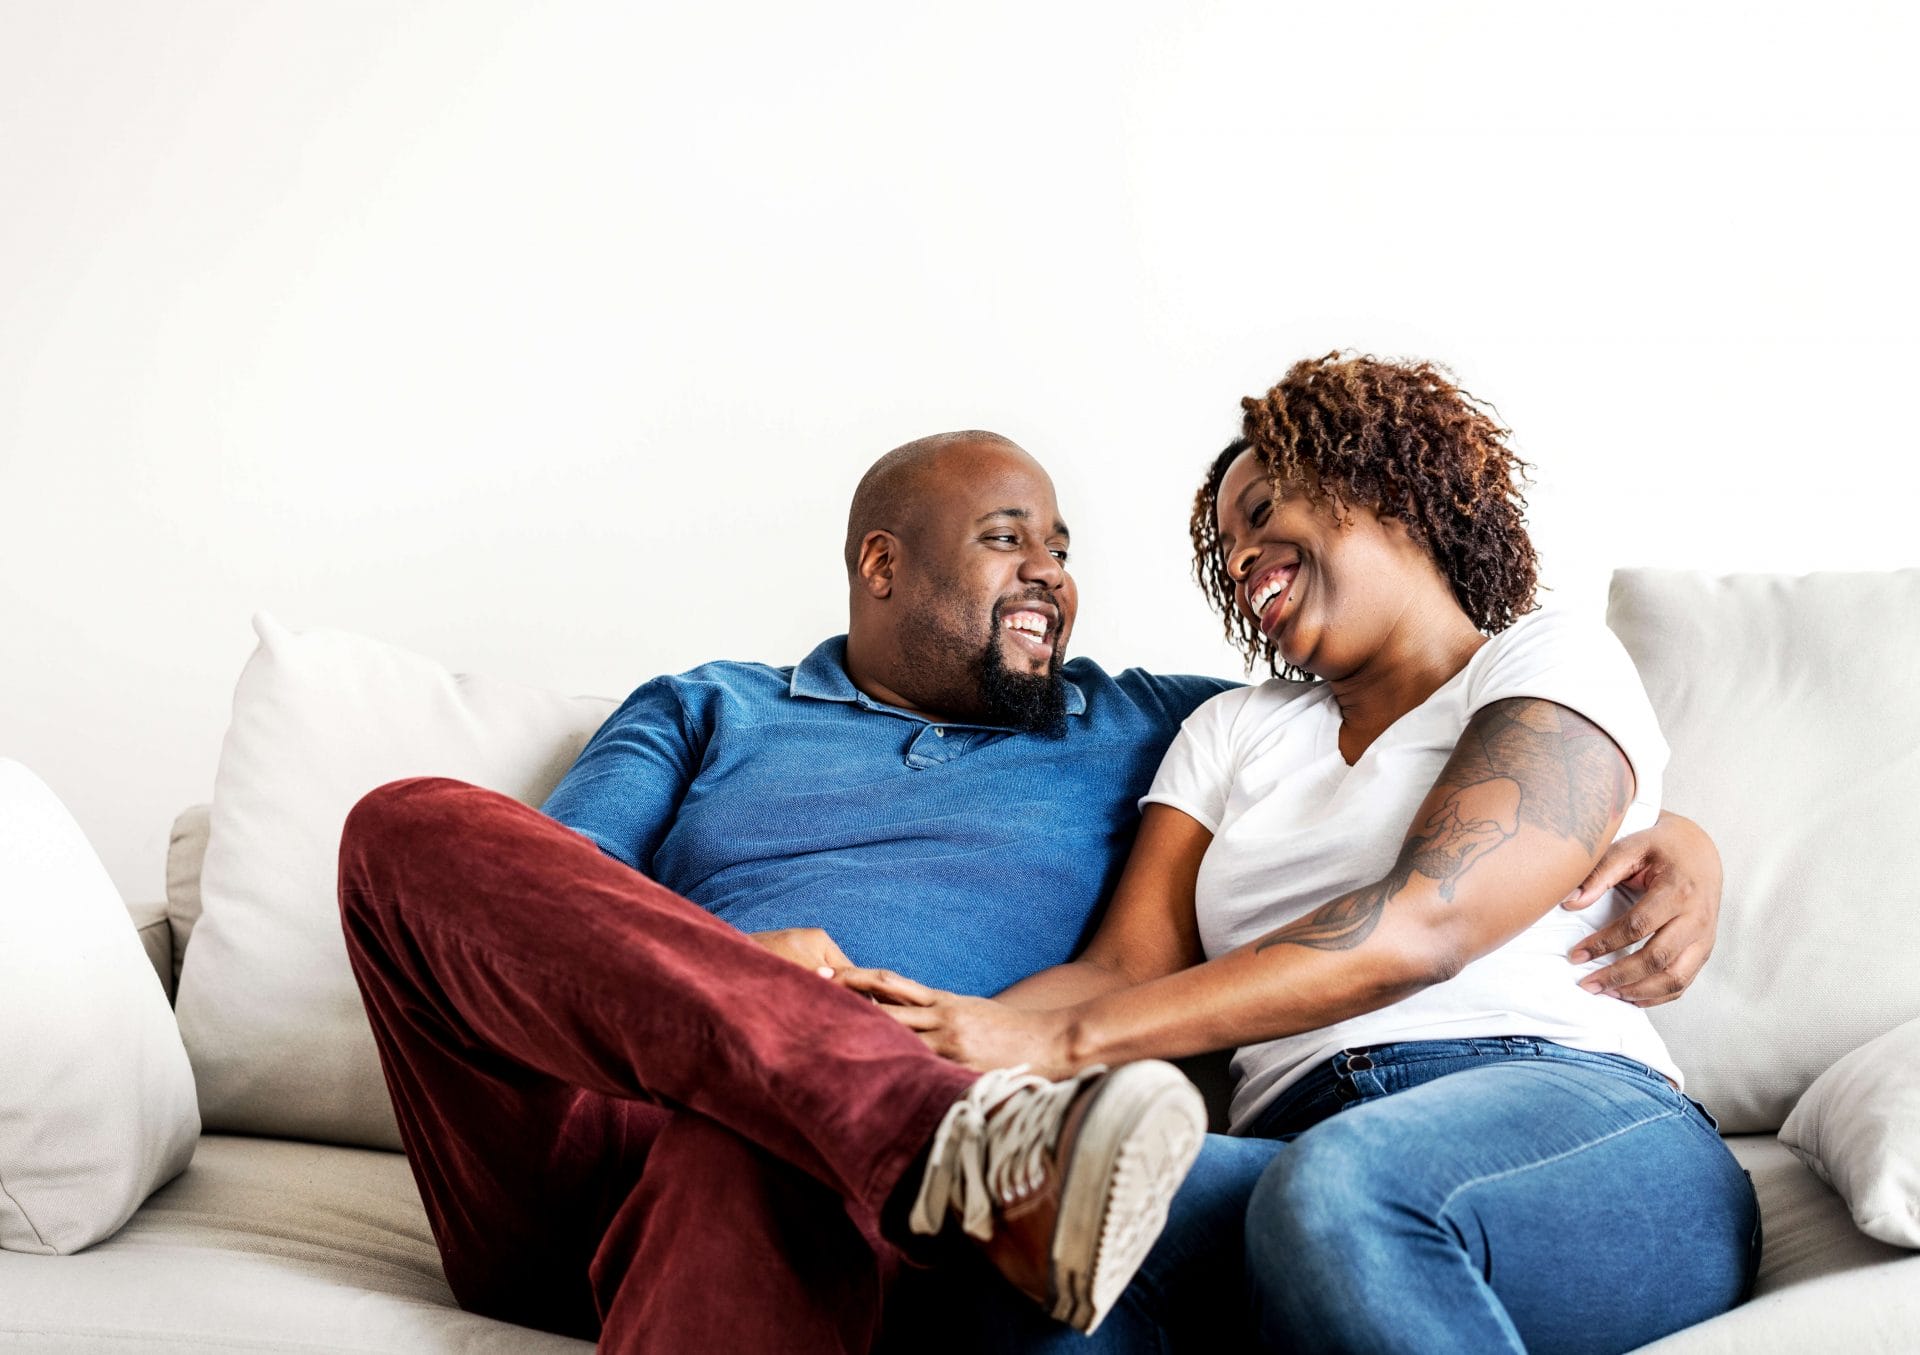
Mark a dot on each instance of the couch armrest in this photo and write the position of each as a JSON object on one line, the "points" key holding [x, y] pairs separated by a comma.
{"points": [[156, 937]]}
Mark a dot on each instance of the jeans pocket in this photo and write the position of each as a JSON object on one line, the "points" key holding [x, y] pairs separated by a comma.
{"points": [[1312, 1099]]}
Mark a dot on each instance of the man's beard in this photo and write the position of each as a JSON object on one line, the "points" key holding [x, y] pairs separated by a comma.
{"points": [[1034, 703]]}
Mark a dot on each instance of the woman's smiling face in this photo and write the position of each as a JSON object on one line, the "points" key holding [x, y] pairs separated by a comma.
{"points": [[1325, 590]]}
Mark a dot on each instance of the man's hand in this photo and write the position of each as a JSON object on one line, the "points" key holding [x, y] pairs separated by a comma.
{"points": [[808, 947], [976, 1032], [1675, 868]]}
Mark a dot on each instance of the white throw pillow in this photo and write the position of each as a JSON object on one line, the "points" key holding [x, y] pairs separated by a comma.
{"points": [[1858, 1128], [96, 1098], [267, 1005], [1792, 706]]}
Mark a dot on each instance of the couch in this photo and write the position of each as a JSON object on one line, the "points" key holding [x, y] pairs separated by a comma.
{"points": [[1790, 707]]}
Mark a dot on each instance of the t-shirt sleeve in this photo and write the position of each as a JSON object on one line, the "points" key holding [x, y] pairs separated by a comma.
{"points": [[625, 787], [1197, 771], [1578, 663]]}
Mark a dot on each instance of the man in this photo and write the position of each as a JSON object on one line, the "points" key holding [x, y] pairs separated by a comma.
{"points": [[627, 1115]]}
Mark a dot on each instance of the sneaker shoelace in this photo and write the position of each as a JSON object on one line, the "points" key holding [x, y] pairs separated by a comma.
{"points": [[991, 1147]]}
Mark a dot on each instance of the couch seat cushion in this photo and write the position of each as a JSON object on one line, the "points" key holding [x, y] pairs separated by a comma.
{"points": [[1824, 1284], [267, 1245], [261, 1245]]}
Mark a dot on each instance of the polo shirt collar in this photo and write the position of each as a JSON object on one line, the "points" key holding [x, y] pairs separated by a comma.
{"points": [[822, 676]]}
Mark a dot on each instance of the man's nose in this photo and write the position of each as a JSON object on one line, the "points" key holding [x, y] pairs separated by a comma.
{"points": [[1240, 562], [1043, 567]]}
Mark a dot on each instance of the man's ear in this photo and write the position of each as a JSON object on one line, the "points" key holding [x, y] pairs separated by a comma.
{"points": [[879, 555]]}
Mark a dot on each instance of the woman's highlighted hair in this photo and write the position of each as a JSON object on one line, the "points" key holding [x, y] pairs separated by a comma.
{"points": [[1402, 439]]}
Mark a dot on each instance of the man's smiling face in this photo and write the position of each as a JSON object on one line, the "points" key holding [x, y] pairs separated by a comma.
{"points": [[986, 602]]}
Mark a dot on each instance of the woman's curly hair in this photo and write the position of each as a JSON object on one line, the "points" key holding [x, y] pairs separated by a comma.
{"points": [[1401, 439]]}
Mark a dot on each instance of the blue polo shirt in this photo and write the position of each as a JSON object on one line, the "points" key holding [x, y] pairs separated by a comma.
{"points": [[965, 856]]}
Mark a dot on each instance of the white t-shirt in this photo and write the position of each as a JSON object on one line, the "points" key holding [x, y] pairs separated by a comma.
{"points": [[1294, 827]]}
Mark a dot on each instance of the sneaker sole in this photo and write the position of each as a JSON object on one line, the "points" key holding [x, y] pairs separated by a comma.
{"points": [[1139, 1136]]}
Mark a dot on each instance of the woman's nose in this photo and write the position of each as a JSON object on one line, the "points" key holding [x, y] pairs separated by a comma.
{"points": [[1241, 561]]}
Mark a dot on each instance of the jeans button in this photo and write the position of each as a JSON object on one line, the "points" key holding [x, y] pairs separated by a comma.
{"points": [[1358, 1063]]}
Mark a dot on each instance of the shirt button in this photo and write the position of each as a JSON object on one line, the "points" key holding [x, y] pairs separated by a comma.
{"points": [[939, 732]]}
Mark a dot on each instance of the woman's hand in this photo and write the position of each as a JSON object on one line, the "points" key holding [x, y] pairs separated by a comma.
{"points": [[977, 1032], [1676, 869]]}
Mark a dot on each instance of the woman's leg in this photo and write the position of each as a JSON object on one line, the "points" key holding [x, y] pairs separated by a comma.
{"points": [[1556, 1203]]}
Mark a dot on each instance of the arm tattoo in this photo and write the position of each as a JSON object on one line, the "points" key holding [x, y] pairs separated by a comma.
{"points": [[1523, 761]]}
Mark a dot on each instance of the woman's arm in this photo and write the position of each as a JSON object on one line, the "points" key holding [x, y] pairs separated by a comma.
{"points": [[1528, 801], [1148, 930]]}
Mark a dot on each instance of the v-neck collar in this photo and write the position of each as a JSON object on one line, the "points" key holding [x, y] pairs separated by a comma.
{"points": [[1332, 740]]}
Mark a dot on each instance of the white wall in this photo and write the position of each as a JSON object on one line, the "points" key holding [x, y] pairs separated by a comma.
{"points": [[550, 339]]}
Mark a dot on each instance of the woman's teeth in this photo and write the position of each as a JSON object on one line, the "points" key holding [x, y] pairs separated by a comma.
{"points": [[1271, 589]]}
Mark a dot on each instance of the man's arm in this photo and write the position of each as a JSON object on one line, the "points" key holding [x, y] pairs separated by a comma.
{"points": [[624, 790], [1675, 868], [808, 947]]}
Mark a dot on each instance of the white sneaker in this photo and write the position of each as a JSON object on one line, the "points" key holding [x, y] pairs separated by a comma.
{"points": [[1065, 1184]]}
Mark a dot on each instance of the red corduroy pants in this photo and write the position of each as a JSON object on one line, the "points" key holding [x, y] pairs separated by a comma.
{"points": [[626, 1119]]}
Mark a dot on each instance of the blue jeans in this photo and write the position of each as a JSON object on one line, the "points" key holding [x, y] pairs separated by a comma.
{"points": [[1493, 1195], [1442, 1195]]}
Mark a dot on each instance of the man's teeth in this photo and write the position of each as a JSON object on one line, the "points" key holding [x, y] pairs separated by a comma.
{"points": [[1027, 624]]}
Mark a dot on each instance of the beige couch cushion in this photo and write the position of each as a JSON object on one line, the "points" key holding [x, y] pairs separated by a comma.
{"points": [[267, 1006], [151, 925], [186, 854], [260, 1246], [1791, 706], [264, 1245]]}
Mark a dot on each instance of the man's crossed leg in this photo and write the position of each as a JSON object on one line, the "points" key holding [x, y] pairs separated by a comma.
{"points": [[625, 1116]]}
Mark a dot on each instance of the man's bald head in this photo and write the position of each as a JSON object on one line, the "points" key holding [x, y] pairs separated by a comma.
{"points": [[895, 488], [959, 603]]}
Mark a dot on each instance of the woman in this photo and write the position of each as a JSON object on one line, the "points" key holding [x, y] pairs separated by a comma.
{"points": [[1355, 883]]}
